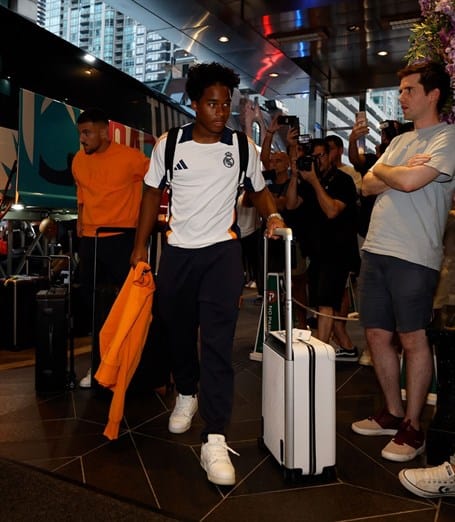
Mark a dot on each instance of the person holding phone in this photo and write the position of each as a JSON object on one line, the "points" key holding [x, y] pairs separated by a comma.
{"points": [[277, 173]]}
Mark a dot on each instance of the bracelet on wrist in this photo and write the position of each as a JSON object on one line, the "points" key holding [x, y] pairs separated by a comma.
{"points": [[274, 215]]}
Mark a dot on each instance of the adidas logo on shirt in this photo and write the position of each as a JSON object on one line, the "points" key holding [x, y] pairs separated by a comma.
{"points": [[181, 165]]}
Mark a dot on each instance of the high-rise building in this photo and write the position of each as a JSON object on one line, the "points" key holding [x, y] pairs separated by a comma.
{"points": [[115, 38]]}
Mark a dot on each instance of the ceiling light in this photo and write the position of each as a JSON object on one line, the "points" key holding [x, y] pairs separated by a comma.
{"points": [[382, 53], [273, 75], [353, 28], [223, 39], [89, 58], [300, 35]]}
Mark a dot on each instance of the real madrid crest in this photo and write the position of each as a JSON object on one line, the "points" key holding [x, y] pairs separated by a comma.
{"points": [[228, 160]]}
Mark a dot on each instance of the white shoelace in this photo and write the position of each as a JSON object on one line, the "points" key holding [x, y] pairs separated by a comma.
{"points": [[218, 451]]}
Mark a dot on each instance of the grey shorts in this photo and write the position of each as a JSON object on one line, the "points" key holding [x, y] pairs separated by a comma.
{"points": [[395, 295]]}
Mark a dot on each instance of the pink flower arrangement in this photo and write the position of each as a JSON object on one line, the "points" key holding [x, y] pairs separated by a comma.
{"points": [[434, 39]]}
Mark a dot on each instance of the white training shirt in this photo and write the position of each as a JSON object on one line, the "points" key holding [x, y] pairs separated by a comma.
{"points": [[204, 187]]}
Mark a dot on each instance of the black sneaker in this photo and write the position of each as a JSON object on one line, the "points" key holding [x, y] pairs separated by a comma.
{"points": [[343, 354]]}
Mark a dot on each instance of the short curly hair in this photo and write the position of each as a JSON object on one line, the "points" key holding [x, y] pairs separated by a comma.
{"points": [[203, 75]]}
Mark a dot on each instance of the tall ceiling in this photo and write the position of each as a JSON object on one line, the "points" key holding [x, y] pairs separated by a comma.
{"points": [[273, 36]]}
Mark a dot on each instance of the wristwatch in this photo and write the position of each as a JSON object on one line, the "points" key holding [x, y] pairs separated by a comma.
{"points": [[274, 215]]}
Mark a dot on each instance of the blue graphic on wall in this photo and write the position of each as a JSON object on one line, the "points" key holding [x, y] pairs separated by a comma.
{"points": [[48, 140]]}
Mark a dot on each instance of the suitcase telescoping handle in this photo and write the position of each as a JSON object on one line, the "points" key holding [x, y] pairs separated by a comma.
{"points": [[286, 235]]}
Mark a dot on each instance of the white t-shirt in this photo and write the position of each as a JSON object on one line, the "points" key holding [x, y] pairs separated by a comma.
{"points": [[204, 187], [355, 175], [248, 218]]}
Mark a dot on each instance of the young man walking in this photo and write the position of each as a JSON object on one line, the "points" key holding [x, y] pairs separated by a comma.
{"points": [[200, 277]]}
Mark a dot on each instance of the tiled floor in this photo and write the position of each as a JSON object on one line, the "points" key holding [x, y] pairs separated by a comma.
{"points": [[62, 433]]}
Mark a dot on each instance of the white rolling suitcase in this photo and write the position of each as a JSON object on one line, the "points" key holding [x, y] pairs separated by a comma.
{"points": [[298, 393]]}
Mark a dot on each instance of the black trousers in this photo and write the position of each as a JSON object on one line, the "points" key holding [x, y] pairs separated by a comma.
{"points": [[112, 268], [198, 293]]}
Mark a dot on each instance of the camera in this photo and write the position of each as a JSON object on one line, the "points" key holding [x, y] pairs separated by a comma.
{"points": [[305, 161]]}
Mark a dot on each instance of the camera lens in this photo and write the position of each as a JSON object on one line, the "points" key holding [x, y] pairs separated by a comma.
{"points": [[304, 162]]}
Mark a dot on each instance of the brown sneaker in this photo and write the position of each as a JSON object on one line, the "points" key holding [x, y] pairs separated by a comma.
{"points": [[384, 423], [406, 445]]}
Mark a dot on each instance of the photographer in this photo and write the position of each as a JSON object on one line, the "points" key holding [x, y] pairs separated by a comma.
{"points": [[327, 232]]}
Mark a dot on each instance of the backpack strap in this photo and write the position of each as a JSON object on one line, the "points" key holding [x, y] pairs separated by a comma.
{"points": [[242, 140], [171, 141]]}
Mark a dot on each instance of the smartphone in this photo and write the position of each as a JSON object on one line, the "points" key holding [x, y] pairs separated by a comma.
{"points": [[292, 121], [361, 117]]}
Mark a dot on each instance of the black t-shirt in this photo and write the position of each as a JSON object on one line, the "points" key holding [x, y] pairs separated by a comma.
{"points": [[319, 236]]}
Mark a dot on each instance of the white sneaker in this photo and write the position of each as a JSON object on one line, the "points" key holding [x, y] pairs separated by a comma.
{"points": [[438, 481], [216, 462], [184, 410], [86, 382]]}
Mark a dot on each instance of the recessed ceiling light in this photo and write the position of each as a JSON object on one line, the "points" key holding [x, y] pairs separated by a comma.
{"points": [[89, 58], [273, 75], [353, 28], [382, 53], [223, 39]]}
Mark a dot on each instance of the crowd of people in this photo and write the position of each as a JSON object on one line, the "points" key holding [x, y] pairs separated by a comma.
{"points": [[381, 220]]}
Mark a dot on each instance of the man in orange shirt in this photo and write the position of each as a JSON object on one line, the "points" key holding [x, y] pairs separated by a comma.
{"points": [[108, 178]]}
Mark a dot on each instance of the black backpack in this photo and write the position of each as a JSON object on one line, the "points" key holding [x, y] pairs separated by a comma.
{"points": [[169, 151]]}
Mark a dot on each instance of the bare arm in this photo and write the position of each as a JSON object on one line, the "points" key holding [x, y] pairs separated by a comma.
{"points": [[265, 205], [293, 200], [330, 206], [372, 185], [357, 159], [412, 176], [267, 143], [148, 214]]}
